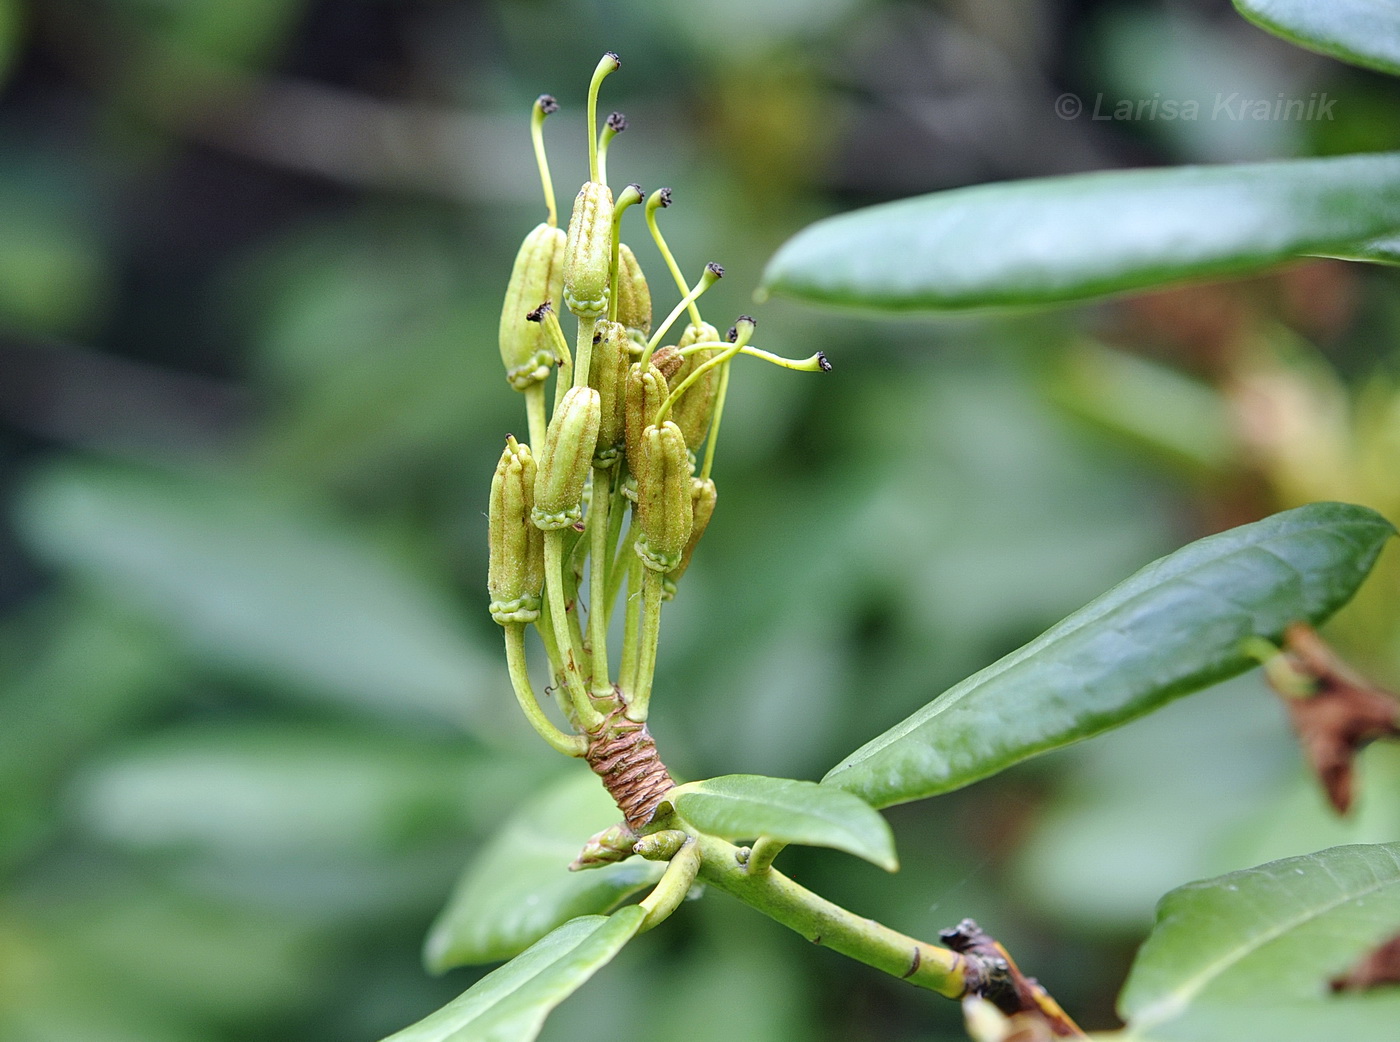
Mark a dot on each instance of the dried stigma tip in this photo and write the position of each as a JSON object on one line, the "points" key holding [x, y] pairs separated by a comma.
{"points": [[715, 270], [616, 61], [538, 314], [547, 104], [823, 361], [629, 196], [665, 197], [616, 122]]}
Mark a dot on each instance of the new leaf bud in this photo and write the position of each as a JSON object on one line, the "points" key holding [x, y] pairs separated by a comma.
{"points": [[515, 568], [588, 253], [664, 511], [633, 296], [646, 390], [703, 497], [608, 847], [608, 375], [564, 464], [538, 275], [694, 408]]}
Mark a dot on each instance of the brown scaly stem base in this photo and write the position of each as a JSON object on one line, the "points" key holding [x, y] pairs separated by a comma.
{"points": [[623, 754], [1004, 985]]}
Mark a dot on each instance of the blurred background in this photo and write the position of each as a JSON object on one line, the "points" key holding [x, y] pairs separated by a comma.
{"points": [[253, 713]]}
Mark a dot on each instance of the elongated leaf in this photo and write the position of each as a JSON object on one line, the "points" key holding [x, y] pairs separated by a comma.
{"points": [[519, 886], [744, 806], [1070, 238], [1173, 628], [1384, 249], [263, 583], [510, 1004], [1362, 32], [278, 791], [1227, 950]]}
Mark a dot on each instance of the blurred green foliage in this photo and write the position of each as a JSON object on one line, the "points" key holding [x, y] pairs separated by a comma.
{"points": [[253, 716]]}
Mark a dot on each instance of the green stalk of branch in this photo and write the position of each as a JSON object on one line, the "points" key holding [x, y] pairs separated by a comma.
{"points": [[598, 525], [565, 633], [831, 926], [534, 411], [568, 744], [640, 696], [631, 628]]}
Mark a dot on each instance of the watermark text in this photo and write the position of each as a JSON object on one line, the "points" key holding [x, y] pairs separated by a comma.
{"points": [[1233, 107]]}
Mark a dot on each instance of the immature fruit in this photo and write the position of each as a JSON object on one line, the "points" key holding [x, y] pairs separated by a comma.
{"points": [[515, 568], [664, 511], [694, 408], [633, 296], [703, 497], [588, 252], [645, 391], [608, 375], [538, 275], [564, 464]]}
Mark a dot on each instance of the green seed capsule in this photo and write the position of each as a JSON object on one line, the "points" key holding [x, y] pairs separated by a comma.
{"points": [[588, 253], [633, 296], [538, 275], [515, 568], [566, 460], [608, 375], [664, 511], [703, 496], [694, 408], [645, 391]]}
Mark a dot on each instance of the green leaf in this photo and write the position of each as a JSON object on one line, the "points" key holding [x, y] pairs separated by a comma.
{"points": [[1173, 628], [1382, 250], [510, 1004], [1070, 238], [1362, 32], [1251, 954], [262, 583], [279, 791], [519, 887], [745, 806]]}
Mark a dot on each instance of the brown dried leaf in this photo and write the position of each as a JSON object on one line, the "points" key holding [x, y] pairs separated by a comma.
{"points": [[1381, 966], [1342, 715]]}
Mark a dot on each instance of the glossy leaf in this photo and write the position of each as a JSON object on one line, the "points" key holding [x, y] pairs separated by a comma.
{"points": [[1362, 32], [264, 584], [745, 806], [1070, 238], [1252, 953], [1173, 628], [519, 887], [511, 1003]]}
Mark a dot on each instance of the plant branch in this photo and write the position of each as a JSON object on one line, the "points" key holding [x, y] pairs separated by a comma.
{"points": [[830, 925], [568, 744]]}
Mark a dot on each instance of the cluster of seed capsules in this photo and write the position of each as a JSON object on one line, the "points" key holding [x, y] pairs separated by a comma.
{"points": [[628, 415]]}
